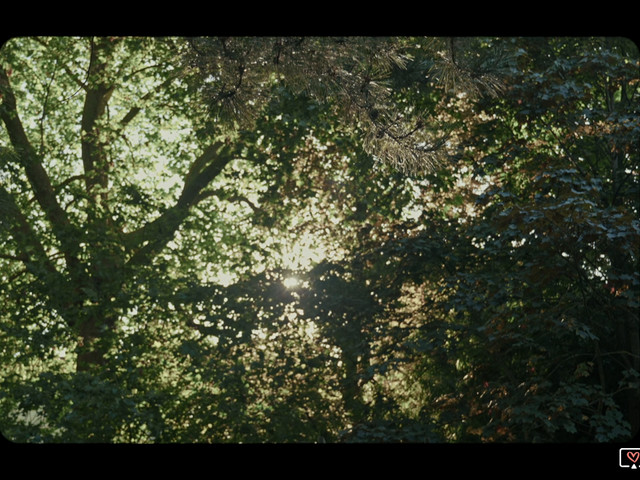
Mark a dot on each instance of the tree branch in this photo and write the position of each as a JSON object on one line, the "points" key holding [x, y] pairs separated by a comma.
{"points": [[15, 258], [221, 194], [131, 114], [203, 170], [36, 174], [32, 253], [153, 236], [44, 111], [98, 94], [67, 70]]}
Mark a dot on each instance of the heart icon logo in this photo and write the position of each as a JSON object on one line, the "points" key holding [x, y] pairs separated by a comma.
{"points": [[633, 456]]}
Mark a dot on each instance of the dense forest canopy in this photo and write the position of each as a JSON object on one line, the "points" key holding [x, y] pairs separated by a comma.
{"points": [[319, 239]]}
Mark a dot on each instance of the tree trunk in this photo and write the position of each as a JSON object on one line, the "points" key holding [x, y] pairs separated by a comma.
{"points": [[352, 387], [633, 395], [627, 340], [91, 351]]}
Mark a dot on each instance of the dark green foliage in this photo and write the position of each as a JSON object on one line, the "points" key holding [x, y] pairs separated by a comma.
{"points": [[541, 288]]}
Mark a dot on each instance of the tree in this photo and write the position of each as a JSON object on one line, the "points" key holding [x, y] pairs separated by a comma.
{"points": [[531, 326], [318, 239], [97, 235]]}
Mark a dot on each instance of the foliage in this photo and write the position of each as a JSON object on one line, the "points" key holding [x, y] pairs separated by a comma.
{"points": [[538, 288], [319, 240]]}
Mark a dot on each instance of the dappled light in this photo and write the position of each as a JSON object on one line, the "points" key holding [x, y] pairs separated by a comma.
{"points": [[292, 282], [319, 240]]}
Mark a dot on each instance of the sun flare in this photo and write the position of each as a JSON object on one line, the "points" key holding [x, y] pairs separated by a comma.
{"points": [[292, 282]]}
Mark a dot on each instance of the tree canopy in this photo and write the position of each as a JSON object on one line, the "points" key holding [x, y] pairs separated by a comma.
{"points": [[319, 239]]}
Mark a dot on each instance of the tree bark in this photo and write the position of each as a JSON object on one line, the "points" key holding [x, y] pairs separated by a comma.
{"points": [[98, 92], [81, 291]]}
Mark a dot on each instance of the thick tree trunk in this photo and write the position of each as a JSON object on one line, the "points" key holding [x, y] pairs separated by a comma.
{"points": [[93, 340], [351, 390], [89, 355]]}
